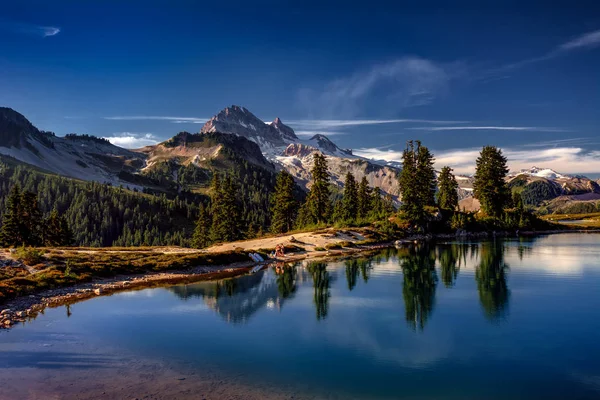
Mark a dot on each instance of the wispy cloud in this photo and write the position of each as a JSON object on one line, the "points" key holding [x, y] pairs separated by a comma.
{"points": [[175, 120], [341, 123], [488, 128], [29, 29], [406, 82], [584, 41], [132, 140], [591, 39], [570, 160], [312, 133]]}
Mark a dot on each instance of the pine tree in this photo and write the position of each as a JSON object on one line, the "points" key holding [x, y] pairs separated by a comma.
{"points": [[350, 199], [30, 219], [417, 181], [10, 233], [409, 190], [425, 176], [52, 230], [217, 209], [66, 234], [447, 195], [202, 236], [226, 222], [284, 207], [490, 186], [364, 198], [318, 201]]}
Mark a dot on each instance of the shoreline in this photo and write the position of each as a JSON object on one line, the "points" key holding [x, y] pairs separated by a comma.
{"points": [[26, 308]]}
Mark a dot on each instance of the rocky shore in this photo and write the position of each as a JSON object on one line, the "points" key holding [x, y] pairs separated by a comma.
{"points": [[25, 308]]}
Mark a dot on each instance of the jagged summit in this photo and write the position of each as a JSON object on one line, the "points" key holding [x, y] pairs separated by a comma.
{"points": [[238, 120]]}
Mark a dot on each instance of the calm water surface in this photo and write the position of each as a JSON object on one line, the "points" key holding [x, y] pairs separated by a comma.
{"points": [[492, 320]]}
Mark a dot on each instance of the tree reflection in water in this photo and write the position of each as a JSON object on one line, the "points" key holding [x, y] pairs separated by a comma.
{"points": [[490, 275], [286, 281], [321, 281], [420, 281], [451, 258], [356, 267]]}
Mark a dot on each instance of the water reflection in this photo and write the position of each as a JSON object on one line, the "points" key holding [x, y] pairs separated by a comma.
{"points": [[236, 300], [286, 280], [420, 281], [490, 275], [321, 281], [357, 267]]}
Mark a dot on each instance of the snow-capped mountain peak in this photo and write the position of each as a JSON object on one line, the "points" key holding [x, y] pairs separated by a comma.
{"points": [[239, 121], [541, 173]]}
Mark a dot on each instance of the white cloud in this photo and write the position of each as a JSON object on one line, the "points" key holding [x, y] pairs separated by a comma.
{"points": [[408, 81], [29, 29], [132, 140], [488, 128], [176, 120], [49, 30], [312, 133], [340, 123], [587, 40], [568, 160]]}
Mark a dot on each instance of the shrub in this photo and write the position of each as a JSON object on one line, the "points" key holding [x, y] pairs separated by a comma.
{"points": [[29, 255]]}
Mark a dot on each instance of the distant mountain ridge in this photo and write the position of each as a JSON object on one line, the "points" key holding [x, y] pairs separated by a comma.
{"points": [[232, 136], [78, 156]]}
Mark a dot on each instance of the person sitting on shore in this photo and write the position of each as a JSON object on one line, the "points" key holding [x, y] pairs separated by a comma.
{"points": [[279, 251]]}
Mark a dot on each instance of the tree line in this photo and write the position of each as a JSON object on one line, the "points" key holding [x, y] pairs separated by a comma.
{"points": [[23, 223], [423, 194], [221, 219]]}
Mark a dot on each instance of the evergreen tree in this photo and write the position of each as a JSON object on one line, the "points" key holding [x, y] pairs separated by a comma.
{"points": [[226, 222], [425, 176], [284, 206], [409, 190], [350, 199], [202, 236], [53, 230], [30, 219], [490, 186], [447, 195], [10, 233], [318, 201], [65, 232], [364, 198]]}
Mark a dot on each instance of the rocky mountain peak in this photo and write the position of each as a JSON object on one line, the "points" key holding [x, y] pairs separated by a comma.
{"points": [[325, 144], [284, 130], [239, 121]]}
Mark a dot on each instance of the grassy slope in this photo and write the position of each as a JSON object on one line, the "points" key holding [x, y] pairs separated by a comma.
{"points": [[67, 267]]}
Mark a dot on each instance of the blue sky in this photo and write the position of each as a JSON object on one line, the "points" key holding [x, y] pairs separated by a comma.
{"points": [[522, 76]]}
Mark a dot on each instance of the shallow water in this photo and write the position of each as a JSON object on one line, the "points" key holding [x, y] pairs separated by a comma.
{"points": [[506, 319]]}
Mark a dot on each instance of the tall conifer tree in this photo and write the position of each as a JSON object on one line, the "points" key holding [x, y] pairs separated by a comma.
{"points": [[202, 236], [284, 206], [10, 233], [364, 196], [350, 199], [318, 201], [490, 185], [447, 195]]}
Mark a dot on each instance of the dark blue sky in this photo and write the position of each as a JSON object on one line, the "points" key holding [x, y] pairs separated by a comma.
{"points": [[523, 76]]}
